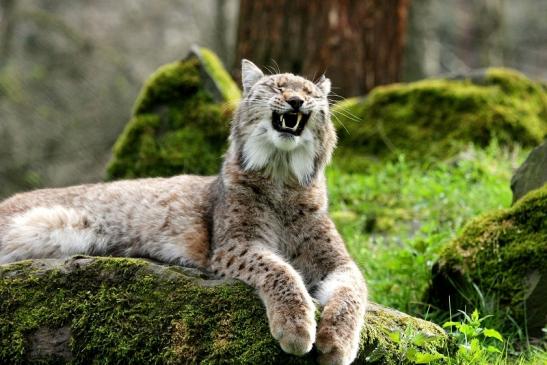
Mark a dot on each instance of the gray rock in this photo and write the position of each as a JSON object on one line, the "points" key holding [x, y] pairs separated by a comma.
{"points": [[532, 174]]}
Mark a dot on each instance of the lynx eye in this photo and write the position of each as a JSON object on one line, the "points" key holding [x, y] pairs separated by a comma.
{"points": [[276, 88]]}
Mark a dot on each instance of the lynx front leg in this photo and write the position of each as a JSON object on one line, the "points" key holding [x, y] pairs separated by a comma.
{"points": [[343, 294], [289, 307]]}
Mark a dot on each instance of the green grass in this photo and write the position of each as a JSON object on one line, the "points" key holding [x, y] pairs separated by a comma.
{"points": [[396, 216]]}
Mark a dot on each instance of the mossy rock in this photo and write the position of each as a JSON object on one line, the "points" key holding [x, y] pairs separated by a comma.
{"points": [[119, 310], [499, 260], [180, 121], [438, 118]]}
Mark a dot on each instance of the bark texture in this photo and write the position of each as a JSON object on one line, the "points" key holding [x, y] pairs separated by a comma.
{"points": [[358, 43]]}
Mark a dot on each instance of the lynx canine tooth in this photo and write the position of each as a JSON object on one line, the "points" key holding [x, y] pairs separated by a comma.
{"points": [[298, 118]]}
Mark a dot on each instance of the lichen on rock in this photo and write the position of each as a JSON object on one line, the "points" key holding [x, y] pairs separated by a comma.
{"points": [[502, 255], [180, 121], [438, 117], [109, 310]]}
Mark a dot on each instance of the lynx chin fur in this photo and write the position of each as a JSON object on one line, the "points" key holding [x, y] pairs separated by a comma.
{"points": [[262, 220]]}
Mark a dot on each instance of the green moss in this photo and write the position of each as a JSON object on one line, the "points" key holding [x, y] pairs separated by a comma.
{"points": [[503, 253], [168, 84], [379, 346], [439, 117], [119, 310], [212, 64], [181, 119], [177, 127]]}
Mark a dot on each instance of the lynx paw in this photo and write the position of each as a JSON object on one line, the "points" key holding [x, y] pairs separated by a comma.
{"points": [[334, 348], [294, 331]]}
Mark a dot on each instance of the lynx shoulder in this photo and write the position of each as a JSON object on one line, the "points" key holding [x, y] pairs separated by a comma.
{"points": [[263, 219]]}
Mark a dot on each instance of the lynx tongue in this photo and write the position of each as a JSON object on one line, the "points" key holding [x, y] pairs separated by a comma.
{"points": [[290, 120]]}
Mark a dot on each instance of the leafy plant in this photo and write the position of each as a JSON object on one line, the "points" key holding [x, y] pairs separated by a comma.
{"points": [[476, 344]]}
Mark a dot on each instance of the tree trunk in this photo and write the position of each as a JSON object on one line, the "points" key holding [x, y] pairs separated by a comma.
{"points": [[357, 43]]}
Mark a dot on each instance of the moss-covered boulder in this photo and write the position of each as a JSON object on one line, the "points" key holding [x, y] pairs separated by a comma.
{"points": [[500, 260], [180, 120], [438, 117], [117, 310]]}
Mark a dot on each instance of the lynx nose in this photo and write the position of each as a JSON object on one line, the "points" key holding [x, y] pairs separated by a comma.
{"points": [[295, 102]]}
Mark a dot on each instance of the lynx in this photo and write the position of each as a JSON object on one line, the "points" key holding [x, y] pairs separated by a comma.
{"points": [[262, 220]]}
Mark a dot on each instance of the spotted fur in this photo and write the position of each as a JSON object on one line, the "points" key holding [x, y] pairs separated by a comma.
{"points": [[262, 220]]}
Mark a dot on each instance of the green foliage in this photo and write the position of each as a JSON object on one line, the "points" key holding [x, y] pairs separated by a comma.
{"points": [[472, 343], [397, 216], [439, 117], [476, 344]]}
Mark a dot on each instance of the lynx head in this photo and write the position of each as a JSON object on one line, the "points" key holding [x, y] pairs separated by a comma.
{"points": [[283, 126]]}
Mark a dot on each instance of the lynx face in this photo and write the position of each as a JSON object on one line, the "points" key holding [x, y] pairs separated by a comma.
{"points": [[283, 124]]}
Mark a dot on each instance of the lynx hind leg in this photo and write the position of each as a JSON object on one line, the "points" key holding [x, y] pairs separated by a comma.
{"points": [[343, 294], [289, 307], [43, 232]]}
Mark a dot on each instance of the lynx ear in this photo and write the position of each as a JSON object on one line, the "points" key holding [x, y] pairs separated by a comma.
{"points": [[324, 84], [250, 74]]}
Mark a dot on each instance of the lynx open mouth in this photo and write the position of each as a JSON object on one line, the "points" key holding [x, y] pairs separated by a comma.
{"points": [[290, 122]]}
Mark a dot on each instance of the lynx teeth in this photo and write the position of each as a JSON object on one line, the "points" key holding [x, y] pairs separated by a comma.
{"points": [[298, 119]]}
